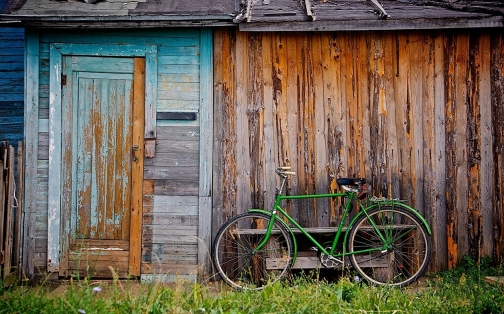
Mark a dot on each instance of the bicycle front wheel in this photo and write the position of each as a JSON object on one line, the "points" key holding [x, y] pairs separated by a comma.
{"points": [[236, 258], [395, 245]]}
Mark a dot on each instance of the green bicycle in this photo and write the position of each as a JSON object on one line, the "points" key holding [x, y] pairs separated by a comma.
{"points": [[387, 242]]}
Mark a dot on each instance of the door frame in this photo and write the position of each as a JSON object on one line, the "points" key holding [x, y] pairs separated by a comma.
{"points": [[58, 219]]}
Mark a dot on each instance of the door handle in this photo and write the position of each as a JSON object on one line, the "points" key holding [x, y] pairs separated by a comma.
{"points": [[134, 149]]}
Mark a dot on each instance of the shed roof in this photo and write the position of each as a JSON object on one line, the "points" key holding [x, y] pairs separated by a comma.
{"points": [[257, 15]]}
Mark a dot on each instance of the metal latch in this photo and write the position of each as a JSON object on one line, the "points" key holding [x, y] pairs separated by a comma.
{"points": [[135, 149]]}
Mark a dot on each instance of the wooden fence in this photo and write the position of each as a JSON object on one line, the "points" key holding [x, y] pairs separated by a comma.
{"points": [[10, 213]]}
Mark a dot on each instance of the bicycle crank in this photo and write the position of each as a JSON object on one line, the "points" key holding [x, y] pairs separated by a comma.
{"points": [[330, 261]]}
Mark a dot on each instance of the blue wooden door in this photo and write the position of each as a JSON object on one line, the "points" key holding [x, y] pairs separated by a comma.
{"points": [[99, 156]]}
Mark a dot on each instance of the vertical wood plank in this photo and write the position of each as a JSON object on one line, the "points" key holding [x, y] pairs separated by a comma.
{"points": [[279, 77], [3, 209], [363, 101], [428, 124], [497, 87], [403, 118], [320, 133], [460, 108], [332, 103], [451, 173], [438, 219], [67, 160], [226, 179], [486, 135], [341, 104], [474, 147], [255, 119], [135, 235], [151, 69], [219, 154], [391, 66], [376, 148], [292, 115], [351, 105], [243, 192], [31, 152], [417, 132], [306, 133], [54, 202], [206, 143], [270, 146], [19, 205], [9, 209]]}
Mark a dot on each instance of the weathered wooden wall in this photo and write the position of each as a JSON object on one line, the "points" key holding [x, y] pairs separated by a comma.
{"points": [[171, 179], [418, 113], [11, 84]]}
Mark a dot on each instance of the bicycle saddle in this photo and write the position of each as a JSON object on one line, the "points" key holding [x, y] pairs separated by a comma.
{"points": [[351, 181]]}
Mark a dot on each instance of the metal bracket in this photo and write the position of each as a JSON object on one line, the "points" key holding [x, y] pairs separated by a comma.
{"points": [[134, 150]]}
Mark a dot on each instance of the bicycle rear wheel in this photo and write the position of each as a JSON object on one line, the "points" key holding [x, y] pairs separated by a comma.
{"points": [[236, 259], [406, 253]]}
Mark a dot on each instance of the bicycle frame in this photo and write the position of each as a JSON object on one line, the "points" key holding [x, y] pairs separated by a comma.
{"points": [[350, 196]]}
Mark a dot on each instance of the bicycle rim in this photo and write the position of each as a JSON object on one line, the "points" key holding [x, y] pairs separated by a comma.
{"points": [[405, 255], [236, 260]]}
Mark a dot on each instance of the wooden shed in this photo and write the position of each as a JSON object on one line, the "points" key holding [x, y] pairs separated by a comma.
{"points": [[149, 123]]}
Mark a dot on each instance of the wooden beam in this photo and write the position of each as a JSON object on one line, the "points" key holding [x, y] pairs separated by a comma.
{"points": [[31, 151], [9, 211], [205, 152], [55, 153], [372, 24], [137, 167]]}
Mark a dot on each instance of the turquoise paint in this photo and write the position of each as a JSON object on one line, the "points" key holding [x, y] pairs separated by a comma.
{"points": [[160, 48], [101, 92], [206, 149]]}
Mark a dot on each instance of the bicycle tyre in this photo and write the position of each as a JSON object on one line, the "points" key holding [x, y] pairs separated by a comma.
{"points": [[406, 255], [233, 252]]}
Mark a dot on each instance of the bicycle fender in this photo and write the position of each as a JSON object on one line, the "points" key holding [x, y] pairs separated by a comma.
{"points": [[294, 242], [392, 204]]}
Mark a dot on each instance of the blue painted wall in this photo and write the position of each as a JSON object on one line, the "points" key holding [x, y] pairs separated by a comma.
{"points": [[176, 180], [11, 83]]}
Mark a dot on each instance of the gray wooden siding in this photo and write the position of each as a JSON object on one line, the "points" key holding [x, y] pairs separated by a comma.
{"points": [[171, 178]]}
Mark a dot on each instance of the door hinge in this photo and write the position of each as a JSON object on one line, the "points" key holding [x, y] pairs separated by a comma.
{"points": [[63, 79]]}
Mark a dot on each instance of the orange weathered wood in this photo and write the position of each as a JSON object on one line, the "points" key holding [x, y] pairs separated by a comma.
{"points": [[269, 121], [461, 59], [391, 64], [416, 118], [393, 107], [135, 229], [292, 112]]}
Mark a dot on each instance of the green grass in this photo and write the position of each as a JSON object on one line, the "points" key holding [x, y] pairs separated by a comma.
{"points": [[462, 290]]}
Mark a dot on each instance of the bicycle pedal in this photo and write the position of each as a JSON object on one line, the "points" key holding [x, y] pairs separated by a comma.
{"points": [[313, 248]]}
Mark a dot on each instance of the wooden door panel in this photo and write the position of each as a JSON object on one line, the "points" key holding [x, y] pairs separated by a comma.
{"points": [[100, 180], [104, 162]]}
